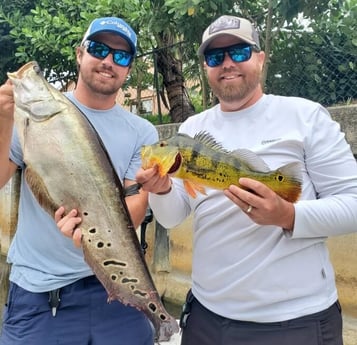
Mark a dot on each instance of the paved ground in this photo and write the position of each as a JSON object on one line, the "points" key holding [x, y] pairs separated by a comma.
{"points": [[175, 340], [349, 333]]}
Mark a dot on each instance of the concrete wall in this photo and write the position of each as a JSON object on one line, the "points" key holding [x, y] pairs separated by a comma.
{"points": [[171, 270]]}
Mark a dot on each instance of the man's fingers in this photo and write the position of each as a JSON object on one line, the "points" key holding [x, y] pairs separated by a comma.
{"points": [[59, 214], [62, 220], [77, 237]]}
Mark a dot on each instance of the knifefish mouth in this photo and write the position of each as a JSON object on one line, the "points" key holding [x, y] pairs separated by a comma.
{"points": [[24, 69]]}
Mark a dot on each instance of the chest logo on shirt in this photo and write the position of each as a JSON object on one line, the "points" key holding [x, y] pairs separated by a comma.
{"points": [[269, 141]]}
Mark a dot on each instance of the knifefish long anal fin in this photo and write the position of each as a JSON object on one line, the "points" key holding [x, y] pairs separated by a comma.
{"points": [[40, 191], [41, 111]]}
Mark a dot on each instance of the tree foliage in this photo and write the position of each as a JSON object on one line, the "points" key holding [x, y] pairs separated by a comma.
{"points": [[319, 56], [49, 30], [7, 44], [52, 29]]}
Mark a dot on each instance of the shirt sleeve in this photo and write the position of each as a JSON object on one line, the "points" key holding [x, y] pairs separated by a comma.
{"points": [[173, 208], [332, 170], [16, 154], [148, 135]]}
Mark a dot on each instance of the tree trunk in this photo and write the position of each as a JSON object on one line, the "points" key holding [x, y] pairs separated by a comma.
{"points": [[268, 41], [171, 70]]}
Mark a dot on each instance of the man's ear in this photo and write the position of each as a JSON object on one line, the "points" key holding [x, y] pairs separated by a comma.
{"points": [[79, 54]]}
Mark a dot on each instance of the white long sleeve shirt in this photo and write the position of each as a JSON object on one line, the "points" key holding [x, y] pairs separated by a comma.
{"points": [[245, 271]]}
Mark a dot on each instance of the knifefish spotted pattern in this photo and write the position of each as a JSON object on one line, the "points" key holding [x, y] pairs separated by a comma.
{"points": [[66, 164], [202, 162]]}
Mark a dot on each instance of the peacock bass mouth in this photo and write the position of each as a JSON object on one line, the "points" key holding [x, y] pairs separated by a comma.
{"points": [[202, 162], [176, 165]]}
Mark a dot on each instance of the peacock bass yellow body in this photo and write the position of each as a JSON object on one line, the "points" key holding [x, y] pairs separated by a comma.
{"points": [[202, 162]]}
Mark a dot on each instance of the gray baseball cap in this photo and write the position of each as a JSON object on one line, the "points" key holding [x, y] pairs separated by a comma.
{"points": [[230, 25]]}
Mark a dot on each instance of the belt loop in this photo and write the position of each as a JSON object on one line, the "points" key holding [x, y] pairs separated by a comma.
{"points": [[54, 300]]}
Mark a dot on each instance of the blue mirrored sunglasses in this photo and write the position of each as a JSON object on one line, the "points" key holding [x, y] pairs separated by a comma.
{"points": [[101, 51], [238, 53]]}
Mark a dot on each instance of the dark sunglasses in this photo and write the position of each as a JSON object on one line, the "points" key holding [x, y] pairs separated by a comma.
{"points": [[238, 53], [101, 51]]}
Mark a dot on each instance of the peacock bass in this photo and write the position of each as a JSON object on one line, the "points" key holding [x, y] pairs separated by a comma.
{"points": [[202, 162]]}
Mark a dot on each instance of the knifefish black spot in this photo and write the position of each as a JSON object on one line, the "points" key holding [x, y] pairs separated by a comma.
{"points": [[100, 245], [114, 263], [140, 293], [114, 277], [152, 307], [92, 230], [85, 213], [127, 280], [280, 178], [163, 317]]}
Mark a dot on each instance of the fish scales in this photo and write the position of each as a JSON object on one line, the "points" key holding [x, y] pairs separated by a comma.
{"points": [[53, 134], [202, 162]]}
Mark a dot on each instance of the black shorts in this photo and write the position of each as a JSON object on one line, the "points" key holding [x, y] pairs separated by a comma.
{"points": [[204, 327]]}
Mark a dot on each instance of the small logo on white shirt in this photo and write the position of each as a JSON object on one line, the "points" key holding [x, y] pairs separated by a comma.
{"points": [[269, 141]]}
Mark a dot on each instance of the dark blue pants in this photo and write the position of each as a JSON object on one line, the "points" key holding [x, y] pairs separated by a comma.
{"points": [[83, 318], [206, 328]]}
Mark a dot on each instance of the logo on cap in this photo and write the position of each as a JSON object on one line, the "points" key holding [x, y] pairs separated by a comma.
{"points": [[118, 24], [224, 23]]}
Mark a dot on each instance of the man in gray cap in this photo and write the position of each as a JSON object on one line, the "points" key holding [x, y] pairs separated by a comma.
{"points": [[261, 273], [54, 296]]}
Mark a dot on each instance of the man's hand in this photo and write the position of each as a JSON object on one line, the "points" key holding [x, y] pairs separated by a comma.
{"points": [[7, 103], [152, 182], [68, 224], [262, 204]]}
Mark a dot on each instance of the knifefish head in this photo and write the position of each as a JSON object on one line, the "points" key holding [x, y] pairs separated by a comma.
{"points": [[33, 95]]}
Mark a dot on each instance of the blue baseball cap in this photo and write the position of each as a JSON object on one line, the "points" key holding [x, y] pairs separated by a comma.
{"points": [[115, 25]]}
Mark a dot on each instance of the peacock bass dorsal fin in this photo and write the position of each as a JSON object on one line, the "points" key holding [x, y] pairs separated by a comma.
{"points": [[251, 160], [208, 140], [247, 158]]}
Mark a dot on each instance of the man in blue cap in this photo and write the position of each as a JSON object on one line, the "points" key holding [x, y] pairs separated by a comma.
{"points": [[54, 297]]}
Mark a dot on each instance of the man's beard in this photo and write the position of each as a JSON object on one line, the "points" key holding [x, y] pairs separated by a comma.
{"points": [[237, 92], [106, 89]]}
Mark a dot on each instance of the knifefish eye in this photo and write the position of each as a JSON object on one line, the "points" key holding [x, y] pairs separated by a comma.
{"points": [[37, 69]]}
